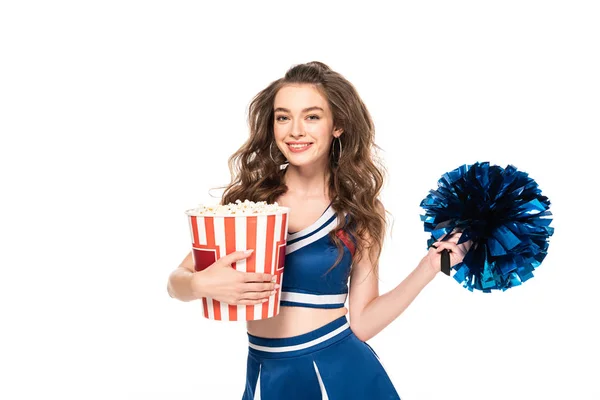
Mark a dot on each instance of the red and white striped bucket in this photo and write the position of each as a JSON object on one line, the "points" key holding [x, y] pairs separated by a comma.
{"points": [[215, 236]]}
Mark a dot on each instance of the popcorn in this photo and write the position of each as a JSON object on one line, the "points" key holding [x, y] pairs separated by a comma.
{"points": [[218, 230], [246, 207]]}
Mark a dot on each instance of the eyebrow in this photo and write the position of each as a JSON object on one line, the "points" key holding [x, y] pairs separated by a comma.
{"points": [[304, 110]]}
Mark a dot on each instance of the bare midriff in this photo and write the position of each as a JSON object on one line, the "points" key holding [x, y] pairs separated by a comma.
{"points": [[293, 321]]}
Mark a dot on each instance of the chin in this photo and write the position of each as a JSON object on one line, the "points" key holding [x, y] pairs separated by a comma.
{"points": [[305, 163]]}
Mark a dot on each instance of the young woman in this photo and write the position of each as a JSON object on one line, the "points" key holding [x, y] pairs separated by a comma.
{"points": [[311, 149]]}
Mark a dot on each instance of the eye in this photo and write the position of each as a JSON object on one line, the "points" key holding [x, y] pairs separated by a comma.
{"points": [[316, 117], [278, 118]]}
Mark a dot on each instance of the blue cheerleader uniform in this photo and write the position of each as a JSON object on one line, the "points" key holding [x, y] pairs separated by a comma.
{"points": [[328, 363]]}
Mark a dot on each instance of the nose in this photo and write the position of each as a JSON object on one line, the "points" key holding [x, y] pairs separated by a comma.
{"points": [[297, 128]]}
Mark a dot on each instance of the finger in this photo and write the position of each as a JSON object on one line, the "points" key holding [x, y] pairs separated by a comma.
{"points": [[258, 277], [250, 302], [258, 295], [259, 287], [235, 256], [447, 246], [454, 237], [466, 245]]}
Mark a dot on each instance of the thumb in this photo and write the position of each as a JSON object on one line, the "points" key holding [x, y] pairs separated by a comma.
{"points": [[235, 256]]}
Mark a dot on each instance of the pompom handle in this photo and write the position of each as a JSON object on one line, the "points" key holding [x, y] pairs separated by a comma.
{"points": [[445, 255], [445, 260]]}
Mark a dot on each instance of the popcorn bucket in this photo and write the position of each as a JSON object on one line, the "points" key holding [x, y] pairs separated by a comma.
{"points": [[215, 236]]}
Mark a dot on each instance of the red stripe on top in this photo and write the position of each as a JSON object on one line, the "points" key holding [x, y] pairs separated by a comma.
{"points": [[230, 248], [250, 261], [343, 236]]}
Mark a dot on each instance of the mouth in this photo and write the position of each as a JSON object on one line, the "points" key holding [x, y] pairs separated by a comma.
{"points": [[298, 147]]}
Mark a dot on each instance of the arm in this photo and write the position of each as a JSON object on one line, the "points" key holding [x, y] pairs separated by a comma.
{"points": [[220, 281], [370, 312], [179, 285]]}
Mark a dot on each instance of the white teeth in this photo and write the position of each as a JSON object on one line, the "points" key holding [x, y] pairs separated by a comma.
{"points": [[298, 146]]}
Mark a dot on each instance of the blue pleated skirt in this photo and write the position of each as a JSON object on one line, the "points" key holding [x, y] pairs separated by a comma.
{"points": [[329, 363]]}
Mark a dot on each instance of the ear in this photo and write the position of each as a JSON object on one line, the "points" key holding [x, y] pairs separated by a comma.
{"points": [[337, 132]]}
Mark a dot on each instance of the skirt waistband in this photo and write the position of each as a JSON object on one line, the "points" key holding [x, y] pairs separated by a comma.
{"points": [[302, 344]]}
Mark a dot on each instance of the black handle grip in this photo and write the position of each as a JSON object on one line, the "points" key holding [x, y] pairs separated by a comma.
{"points": [[445, 261]]}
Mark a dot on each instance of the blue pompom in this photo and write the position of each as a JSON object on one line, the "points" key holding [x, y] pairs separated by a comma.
{"points": [[505, 215]]}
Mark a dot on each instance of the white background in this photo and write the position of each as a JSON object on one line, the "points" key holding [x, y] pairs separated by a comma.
{"points": [[116, 116]]}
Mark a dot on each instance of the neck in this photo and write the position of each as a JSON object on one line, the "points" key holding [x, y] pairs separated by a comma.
{"points": [[307, 181]]}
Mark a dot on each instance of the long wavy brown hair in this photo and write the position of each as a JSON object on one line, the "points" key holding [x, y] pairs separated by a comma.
{"points": [[356, 176]]}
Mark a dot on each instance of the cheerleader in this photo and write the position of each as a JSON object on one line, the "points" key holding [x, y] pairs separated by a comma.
{"points": [[311, 148]]}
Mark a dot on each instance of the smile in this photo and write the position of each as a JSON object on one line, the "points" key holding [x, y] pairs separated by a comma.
{"points": [[297, 148]]}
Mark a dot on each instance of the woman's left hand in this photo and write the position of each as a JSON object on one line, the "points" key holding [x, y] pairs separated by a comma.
{"points": [[457, 251]]}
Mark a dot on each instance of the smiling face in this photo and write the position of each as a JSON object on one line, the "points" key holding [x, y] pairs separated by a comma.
{"points": [[303, 125]]}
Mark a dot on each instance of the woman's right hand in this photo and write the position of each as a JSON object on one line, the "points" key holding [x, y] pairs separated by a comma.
{"points": [[220, 281]]}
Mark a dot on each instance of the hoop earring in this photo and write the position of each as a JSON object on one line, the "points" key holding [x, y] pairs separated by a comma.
{"points": [[271, 152], [340, 152], [282, 166]]}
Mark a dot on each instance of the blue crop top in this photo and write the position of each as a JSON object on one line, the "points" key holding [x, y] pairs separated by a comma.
{"points": [[309, 255]]}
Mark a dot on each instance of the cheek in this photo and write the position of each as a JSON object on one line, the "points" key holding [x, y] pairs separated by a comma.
{"points": [[321, 131], [279, 131]]}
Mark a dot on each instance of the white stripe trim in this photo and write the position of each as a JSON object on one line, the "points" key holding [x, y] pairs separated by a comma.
{"points": [[257, 388], [302, 345], [324, 395], [211, 311], [240, 244], [313, 238], [261, 243], [322, 219], [380, 362], [219, 225], [314, 298]]}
